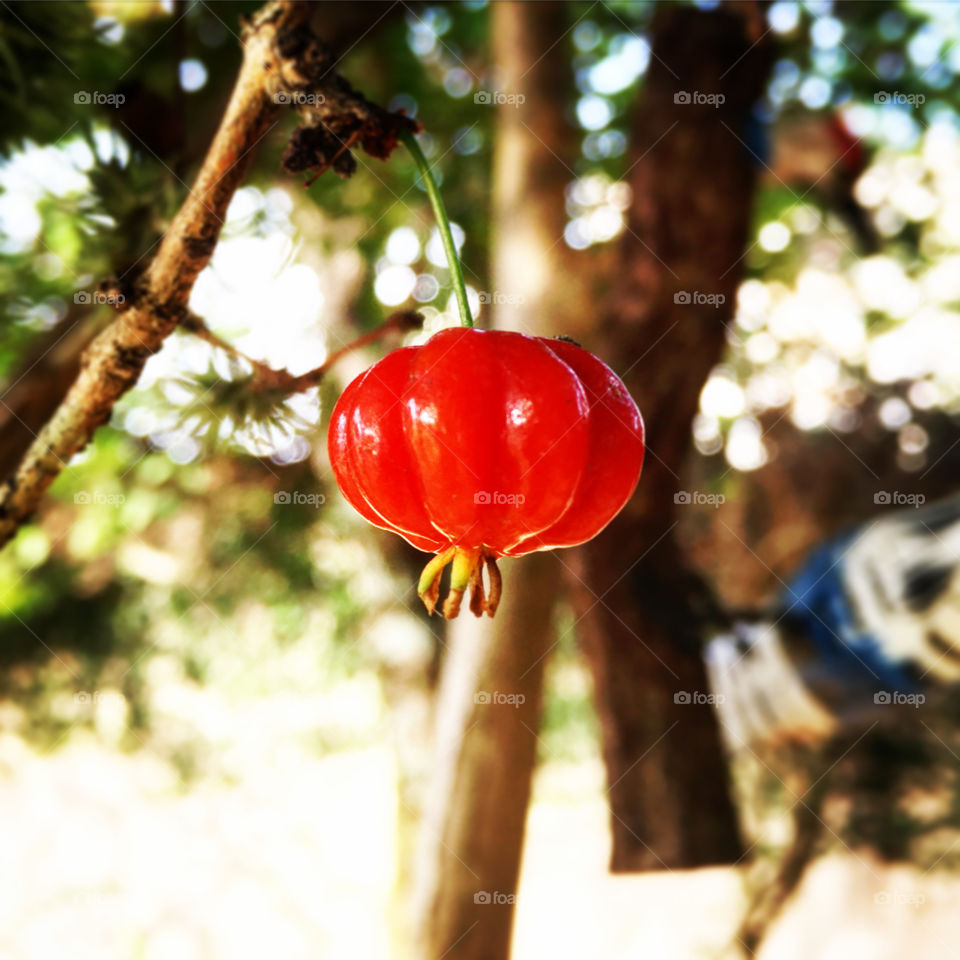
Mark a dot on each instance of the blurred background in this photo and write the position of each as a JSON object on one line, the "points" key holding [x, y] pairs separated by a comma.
{"points": [[227, 726]]}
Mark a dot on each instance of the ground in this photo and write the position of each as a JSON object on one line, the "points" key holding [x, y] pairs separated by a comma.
{"points": [[284, 852]]}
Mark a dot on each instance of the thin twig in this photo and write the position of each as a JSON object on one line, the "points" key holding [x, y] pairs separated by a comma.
{"points": [[267, 378], [768, 902]]}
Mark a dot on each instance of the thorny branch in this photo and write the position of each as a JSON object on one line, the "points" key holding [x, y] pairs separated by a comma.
{"points": [[284, 63]]}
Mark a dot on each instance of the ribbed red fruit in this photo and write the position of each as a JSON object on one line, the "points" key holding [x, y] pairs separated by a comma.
{"points": [[482, 444]]}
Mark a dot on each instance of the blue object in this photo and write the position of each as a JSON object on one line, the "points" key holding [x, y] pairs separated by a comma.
{"points": [[817, 603]]}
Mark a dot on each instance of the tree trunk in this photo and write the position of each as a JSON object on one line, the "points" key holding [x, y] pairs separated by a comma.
{"points": [[638, 601], [474, 819], [474, 824]]}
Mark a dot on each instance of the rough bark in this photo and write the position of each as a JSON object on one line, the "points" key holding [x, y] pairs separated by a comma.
{"points": [[283, 63], [641, 608], [475, 818]]}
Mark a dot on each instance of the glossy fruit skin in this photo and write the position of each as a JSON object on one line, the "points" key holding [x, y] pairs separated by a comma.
{"points": [[488, 439]]}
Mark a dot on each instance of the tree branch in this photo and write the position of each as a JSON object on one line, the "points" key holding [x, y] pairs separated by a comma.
{"points": [[281, 56]]}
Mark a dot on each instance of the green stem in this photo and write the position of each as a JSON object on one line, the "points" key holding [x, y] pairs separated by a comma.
{"points": [[443, 225]]}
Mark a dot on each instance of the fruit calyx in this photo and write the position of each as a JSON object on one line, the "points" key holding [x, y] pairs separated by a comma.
{"points": [[466, 571]]}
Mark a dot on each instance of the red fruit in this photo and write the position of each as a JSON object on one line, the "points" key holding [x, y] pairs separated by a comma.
{"points": [[482, 444]]}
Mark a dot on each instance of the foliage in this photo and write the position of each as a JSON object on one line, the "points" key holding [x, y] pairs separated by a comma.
{"points": [[89, 186]]}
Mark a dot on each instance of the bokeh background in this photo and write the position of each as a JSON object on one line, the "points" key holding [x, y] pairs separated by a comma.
{"points": [[219, 697]]}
